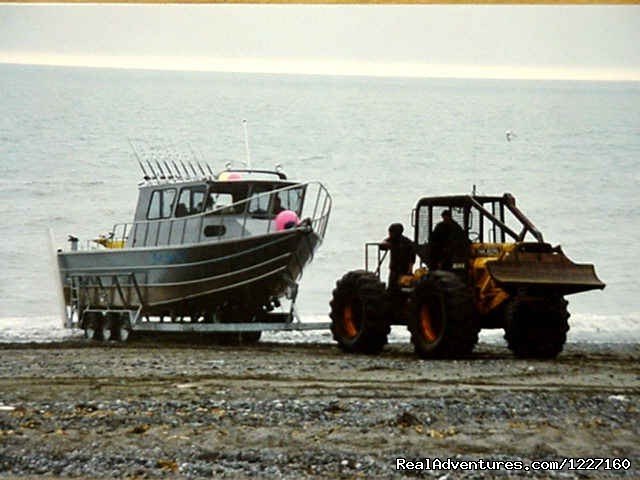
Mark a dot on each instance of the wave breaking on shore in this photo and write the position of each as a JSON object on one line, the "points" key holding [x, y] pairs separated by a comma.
{"points": [[585, 328]]}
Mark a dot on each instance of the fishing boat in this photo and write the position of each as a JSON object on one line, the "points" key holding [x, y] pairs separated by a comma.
{"points": [[205, 252]]}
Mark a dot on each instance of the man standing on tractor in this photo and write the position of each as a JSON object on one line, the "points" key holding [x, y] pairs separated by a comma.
{"points": [[403, 255], [446, 240]]}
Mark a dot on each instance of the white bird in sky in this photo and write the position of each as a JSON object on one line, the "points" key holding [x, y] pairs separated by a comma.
{"points": [[509, 134]]}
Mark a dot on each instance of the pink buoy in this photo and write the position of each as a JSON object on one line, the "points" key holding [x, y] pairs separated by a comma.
{"points": [[229, 176], [286, 219]]}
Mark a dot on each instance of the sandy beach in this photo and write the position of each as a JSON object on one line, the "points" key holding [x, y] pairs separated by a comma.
{"points": [[149, 409]]}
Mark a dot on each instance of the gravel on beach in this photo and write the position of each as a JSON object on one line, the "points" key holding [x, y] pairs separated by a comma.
{"points": [[153, 409]]}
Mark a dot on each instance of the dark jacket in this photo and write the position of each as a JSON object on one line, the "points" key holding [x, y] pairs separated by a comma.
{"points": [[403, 254], [448, 232], [447, 240]]}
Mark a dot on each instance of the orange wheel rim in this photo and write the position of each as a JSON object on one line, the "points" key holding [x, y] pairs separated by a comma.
{"points": [[426, 323], [349, 325]]}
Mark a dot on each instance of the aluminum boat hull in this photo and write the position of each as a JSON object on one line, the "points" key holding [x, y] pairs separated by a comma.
{"points": [[182, 280]]}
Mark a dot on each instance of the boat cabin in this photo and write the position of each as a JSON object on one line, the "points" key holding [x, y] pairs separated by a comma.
{"points": [[196, 211]]}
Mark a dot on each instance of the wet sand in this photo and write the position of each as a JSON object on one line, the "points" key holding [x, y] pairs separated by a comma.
{"points": [[149, 409]]}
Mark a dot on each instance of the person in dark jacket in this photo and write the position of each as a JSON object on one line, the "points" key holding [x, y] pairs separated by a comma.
{"points": [[403, 254], [446, 241]]}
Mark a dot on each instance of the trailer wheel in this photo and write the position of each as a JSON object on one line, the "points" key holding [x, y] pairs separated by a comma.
{"points": [[105, 329], [89, 332], [121, 328], [536, 328], [359, 310], [442, 322], [91, 326]]}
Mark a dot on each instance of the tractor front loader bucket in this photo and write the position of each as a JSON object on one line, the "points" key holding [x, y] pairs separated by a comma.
{"points": [[539, 267]]}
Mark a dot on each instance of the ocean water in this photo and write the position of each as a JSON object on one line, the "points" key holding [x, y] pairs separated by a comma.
{"points": [[377, 144]]}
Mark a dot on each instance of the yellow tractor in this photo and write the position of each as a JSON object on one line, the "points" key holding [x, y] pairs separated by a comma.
{"points": [[499, 273]]}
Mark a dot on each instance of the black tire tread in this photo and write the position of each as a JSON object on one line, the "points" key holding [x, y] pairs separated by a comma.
{"points": [[460, 326], [536, 328], [367, 288]]}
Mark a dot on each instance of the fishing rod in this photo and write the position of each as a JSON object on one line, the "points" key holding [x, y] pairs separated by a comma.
{"points": [[185, 169], [160, 167], [206, 164], [171, 175], [135, 152], [179, 175], [155, 176], [204, 174]]}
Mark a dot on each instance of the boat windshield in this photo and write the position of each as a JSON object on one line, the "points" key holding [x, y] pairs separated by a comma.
{"points": [[223, 197], [263, 205], [290, 199]]}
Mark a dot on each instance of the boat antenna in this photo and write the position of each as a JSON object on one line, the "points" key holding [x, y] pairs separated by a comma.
{"points": [[246, 143], [135, 152], [475, 171]]}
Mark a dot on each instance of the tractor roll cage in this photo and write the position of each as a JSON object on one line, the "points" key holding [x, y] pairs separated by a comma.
{"points": [[468, 202]]}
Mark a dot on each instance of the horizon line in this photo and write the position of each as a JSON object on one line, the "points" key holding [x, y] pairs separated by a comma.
{"points": [[323, 67], [327, 2]]}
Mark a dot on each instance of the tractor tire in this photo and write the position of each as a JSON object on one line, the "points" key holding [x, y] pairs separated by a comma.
{"points": [[442, 321], [359, 310], [536, 328]]}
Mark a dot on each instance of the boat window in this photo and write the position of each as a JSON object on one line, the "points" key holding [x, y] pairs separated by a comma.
{"points": [[219, 203], [161, 204], [191, 201], [288, 200], [223, 195], [215, 230], [168, 197], [220, 200], [259, 204], [424, 223]]}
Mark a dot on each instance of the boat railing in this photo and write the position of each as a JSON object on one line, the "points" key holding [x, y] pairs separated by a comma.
{"points": [[314, 211]]}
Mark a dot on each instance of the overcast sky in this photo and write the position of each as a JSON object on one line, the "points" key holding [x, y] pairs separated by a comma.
{"points": [[473, 40]]}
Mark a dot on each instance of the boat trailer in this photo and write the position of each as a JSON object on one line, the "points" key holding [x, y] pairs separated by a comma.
{"points": [[115, 322]]}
